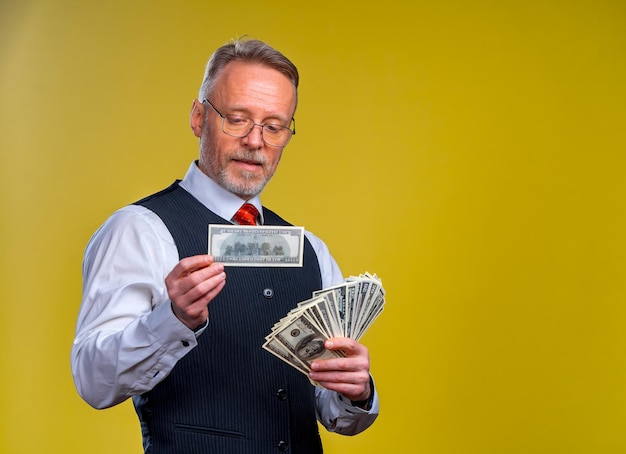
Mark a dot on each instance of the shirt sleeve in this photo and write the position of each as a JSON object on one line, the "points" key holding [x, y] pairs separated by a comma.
{"points": [[127, 336], [331, 274], [335, 412]]}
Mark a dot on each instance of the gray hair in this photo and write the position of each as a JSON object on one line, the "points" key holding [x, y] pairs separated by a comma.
{"points": [[248, 51]]}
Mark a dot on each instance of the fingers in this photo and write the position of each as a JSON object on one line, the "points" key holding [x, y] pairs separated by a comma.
{"points": [[349, 346], [191, 285], [192, 264], [349, 375]]}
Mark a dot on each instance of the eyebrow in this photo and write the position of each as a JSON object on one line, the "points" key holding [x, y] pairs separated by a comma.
{"points": [[246, 113]]}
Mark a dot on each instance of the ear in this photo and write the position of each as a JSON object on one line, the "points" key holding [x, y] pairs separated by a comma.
{"points": [[196, 117]]}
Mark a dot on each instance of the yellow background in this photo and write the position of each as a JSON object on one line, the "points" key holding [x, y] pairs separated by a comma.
{"points": [[469, 153]]}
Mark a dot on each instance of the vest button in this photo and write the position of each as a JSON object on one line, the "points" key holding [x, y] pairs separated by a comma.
{"points": [[281, 394], [283, 446], [268, 293]]}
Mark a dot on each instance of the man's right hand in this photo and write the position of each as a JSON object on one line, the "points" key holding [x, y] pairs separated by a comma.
{"points": [[191, 286]]}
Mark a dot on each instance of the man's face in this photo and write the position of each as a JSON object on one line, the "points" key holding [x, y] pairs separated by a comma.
{"points": [[243, 165]]}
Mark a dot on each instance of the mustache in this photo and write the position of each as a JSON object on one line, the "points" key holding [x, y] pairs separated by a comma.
{"points": [[246, 155]]}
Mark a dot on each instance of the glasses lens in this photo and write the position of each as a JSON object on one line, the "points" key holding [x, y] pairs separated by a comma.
{"points": [[276, 135], [237, 126]]}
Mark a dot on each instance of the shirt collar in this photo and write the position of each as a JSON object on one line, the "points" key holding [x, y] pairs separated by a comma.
{"points": [[217, 199]]}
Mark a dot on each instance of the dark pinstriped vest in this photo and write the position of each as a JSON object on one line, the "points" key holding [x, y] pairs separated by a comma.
{"points": [[228, 395]]}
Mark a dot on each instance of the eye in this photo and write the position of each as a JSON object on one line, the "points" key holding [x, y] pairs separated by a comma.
{"points": [[274, 129], [236, 120]]}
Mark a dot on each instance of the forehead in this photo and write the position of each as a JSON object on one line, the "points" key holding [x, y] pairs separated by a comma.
{"points": [[253, 86]]}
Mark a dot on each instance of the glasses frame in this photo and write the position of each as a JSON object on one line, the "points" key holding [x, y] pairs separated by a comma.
{"points": [[262, 126]]}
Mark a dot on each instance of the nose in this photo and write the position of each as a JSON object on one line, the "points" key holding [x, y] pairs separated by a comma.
{"points": [[254, 139]]}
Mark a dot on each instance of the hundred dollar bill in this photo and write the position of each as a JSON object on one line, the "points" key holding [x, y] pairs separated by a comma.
{"points": [[304, 340], [342, 310], [339, 301], [276, 348], [242, 245]]}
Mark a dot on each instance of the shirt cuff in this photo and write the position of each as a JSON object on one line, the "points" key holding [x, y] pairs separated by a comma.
{"points": [[365, 404], [170, 331]]}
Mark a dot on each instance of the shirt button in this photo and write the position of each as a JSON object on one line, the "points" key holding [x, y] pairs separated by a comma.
{"points": [[281, 394], [283, 446], [268, 293], [185, 343]]}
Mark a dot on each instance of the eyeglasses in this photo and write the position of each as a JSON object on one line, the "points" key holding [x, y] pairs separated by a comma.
{"points": [[239, 126]]}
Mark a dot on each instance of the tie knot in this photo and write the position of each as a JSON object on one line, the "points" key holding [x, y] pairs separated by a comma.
{"points": [[246, 215]]}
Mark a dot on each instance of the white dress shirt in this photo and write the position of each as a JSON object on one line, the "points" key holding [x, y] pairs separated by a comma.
{"points": [[128, 338]]}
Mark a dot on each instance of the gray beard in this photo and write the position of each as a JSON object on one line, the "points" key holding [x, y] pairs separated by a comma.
{"points": [[247, 188]]}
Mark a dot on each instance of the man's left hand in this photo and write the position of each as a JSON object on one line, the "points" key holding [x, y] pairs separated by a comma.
{"points": [[349, 376]]}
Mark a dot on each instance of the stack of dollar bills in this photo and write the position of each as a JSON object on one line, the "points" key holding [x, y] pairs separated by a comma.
{"points": [[344, 310]]}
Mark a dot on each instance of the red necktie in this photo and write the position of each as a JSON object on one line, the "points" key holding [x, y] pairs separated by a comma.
{"points": [[246, 215]]}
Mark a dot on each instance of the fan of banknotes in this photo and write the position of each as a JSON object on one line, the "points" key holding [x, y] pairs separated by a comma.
{"points": [[344, 310]]}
